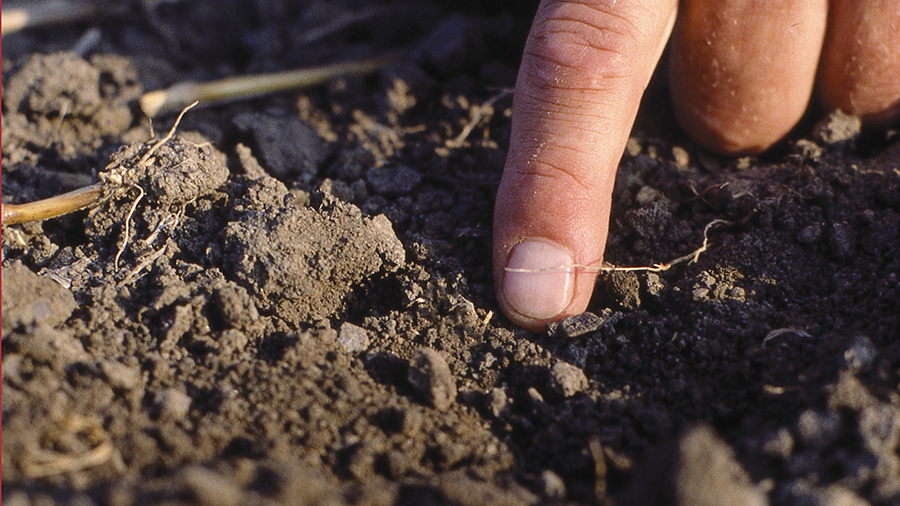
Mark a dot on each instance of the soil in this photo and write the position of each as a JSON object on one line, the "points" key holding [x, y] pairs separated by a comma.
{"points": [[290, 301]]}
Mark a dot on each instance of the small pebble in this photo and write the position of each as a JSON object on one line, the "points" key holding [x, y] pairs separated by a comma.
{"points": [[352, 338], [120, 375], [567, 380], [554, 488], [860, 354], [430, 375], [576, 325], [211, 488], [173, 404], [818, 430], [842, 240], [498, 402]]}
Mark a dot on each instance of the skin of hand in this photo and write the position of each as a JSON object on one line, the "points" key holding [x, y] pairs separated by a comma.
{"points": [[741, 74]]}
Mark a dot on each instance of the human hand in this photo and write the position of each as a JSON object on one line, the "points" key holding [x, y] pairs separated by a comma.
{"points": [[741, 75]]}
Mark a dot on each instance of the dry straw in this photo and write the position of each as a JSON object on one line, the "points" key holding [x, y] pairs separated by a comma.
{"points": [[174, 98]]}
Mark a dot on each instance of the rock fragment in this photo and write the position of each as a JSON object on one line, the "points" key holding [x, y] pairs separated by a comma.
{"points": [[698, 470], [300, 262], [567, 380], [29, 298], [576, 325], [173, 404], [120, 375], [431, 376], [352, 338]]}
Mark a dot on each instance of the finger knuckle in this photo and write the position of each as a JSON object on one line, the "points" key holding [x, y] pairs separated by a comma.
{"points": [[581, 45]]}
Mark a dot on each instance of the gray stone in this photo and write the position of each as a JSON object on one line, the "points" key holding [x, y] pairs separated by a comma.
{"points": [[211, 488], [352, 338], [120, 375], [173, 404], [566, 379], [576, 325]]}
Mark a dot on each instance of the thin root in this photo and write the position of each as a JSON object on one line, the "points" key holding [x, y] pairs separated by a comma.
{"points": [[176, 217], [168, 136], [58, 463], [140, 196], [132, 274], [127, 233], [457, 141], [691, 258]]}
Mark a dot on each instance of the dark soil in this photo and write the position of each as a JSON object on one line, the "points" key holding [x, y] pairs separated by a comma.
{"points": [[299, 309]]}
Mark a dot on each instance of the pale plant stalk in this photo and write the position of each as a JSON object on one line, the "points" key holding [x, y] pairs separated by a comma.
{"points": [[53, 206], [158, 102], [55, 12]]}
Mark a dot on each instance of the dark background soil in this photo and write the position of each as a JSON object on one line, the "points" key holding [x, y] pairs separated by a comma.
{"points": [[304, 311]]}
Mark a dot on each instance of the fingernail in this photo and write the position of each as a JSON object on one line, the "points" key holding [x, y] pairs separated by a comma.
{"points": [[540, 279]]}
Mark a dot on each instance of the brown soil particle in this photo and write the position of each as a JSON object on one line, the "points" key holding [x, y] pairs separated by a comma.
{"points": [[431, 376], [290, 300]]}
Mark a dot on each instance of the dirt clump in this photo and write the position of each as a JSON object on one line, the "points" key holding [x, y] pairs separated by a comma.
{"points": [[300, 262]]}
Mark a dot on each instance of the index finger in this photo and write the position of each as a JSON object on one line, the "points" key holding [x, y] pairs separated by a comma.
{"points": [[585, 67]]}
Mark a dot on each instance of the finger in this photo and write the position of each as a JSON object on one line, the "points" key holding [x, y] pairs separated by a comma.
{"points": [[586, 64], [860, 70], [742, 71]]}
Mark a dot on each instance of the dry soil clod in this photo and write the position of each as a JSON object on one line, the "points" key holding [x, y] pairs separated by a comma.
{"points": [[112, 182], [431, 376]]}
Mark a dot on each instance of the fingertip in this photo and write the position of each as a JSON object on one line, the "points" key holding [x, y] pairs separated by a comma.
{"points": [[539, 279], [583, 71], [540, 283]]}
